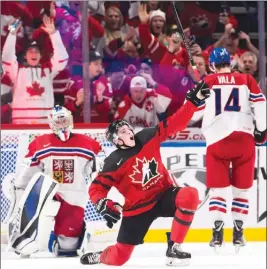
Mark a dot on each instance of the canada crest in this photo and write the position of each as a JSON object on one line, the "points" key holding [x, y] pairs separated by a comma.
{"points": [[145, 171]]}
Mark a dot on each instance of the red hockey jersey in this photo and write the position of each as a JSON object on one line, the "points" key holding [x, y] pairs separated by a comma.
{"points": [[138, 172]]}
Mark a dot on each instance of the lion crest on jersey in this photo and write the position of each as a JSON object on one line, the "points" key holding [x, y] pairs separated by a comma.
{"points": [[144, 171], [63, 171]]}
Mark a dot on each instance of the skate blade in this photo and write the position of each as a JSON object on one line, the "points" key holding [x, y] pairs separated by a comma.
{"points": [[177, 262], [24, 256], [237, 247], [217, 249]]}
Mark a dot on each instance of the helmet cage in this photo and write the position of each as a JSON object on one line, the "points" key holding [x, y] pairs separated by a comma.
{"points": [[61, 122]]}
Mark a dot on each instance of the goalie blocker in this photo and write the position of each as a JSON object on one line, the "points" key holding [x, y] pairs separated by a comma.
{"points": [[33, 215]]}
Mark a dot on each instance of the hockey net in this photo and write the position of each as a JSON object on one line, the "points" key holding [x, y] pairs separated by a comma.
{"points": [[14, 144]]}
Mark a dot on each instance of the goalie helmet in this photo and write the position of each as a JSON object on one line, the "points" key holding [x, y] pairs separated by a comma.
{"points": [[61, 122], [111, 132]]}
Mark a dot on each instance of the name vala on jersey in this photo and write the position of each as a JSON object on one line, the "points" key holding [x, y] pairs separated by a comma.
{"points": [[226, 80]]}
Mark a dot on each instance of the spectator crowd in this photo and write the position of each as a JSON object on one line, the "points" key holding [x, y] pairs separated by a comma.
{"points": [[139, 68]]}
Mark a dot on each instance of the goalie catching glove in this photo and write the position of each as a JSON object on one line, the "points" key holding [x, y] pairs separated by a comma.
{"points": [[199, 93], [109, 210]]}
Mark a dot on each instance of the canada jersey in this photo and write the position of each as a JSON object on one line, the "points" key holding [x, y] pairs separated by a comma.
{"points": [[138, 172], [67, 162], [235, 102]]}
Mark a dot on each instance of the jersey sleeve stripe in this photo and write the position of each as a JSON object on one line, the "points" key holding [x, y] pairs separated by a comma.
{"points": [[257, 99], [64, 152], [34, 163], [256, 95], [201, 106]]}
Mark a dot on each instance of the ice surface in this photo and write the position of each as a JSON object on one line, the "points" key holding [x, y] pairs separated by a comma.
{"points": [[153, 256]]}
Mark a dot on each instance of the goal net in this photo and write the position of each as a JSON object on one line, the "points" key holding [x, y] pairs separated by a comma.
{"points": [[14, 144]]}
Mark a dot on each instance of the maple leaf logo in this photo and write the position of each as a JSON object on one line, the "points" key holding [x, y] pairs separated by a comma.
{"points": [[35, 89], [149, 106], [144, 171]]}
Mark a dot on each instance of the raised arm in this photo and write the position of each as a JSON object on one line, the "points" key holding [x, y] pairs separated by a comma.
{"points": [[180, 119], [9, 59], [60, 56]]}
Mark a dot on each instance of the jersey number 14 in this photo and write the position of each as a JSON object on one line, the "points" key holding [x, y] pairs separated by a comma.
{"points": [[232, 103]]}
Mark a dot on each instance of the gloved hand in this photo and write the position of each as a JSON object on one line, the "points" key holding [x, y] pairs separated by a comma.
{"points": [[260, 137], [109, 210], [200, 92]]}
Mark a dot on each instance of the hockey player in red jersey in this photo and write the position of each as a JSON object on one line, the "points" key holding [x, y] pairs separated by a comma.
{"points": [[68, 158], [137, 171], [235, 102]]}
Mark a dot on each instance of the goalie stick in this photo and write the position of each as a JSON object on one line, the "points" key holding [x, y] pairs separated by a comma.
{"points": [[197, 76]]}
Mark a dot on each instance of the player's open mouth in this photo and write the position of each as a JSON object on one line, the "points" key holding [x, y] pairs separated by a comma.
{"points": [[131, 137]]}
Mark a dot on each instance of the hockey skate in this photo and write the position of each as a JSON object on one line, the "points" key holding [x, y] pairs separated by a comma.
{"points": [[238, 236], [91, 258], [175, 255], [217, 236]]}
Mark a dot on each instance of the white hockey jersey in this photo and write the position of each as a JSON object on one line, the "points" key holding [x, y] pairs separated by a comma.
{"points": [[145, 113], [33, 95], [69, 163], [236, 101]]}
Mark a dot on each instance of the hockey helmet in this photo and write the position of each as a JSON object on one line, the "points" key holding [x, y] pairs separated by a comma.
{"points": [[111, 132], [61, 122], [219, 56]]}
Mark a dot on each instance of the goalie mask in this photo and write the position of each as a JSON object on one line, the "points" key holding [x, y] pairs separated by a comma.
{"points": [[121, 137], [61, 122]]}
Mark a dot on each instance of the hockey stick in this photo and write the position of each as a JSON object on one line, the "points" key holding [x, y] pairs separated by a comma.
{"points": [[197, 76], [258, 184]]}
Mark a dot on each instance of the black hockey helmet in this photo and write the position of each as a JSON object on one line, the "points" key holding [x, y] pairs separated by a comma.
{"points": [[111, 132]]}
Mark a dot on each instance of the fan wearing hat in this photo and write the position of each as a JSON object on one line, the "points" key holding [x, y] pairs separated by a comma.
{"points": [[143, 107], [33, 94], [171, 54], [33, 53]]}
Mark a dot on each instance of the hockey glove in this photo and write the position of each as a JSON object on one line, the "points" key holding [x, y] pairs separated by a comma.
{"points": [[199, 93], [259, 137], [109, 210]]}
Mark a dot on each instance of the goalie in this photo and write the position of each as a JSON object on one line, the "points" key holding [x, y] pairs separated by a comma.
{"points": [[51, 189]]}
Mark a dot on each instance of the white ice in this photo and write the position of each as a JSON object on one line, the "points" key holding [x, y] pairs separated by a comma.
{"points": [[153, 256]]}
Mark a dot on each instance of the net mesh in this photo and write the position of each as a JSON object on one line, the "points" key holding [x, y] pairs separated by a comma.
{"points": [[14, 145]]}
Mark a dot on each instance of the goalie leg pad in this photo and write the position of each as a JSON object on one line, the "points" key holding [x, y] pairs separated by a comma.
{"points": [[23, 226], [46, 223]]}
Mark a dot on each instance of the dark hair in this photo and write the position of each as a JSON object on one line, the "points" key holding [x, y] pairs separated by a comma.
{"points": [[113, 128]]}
